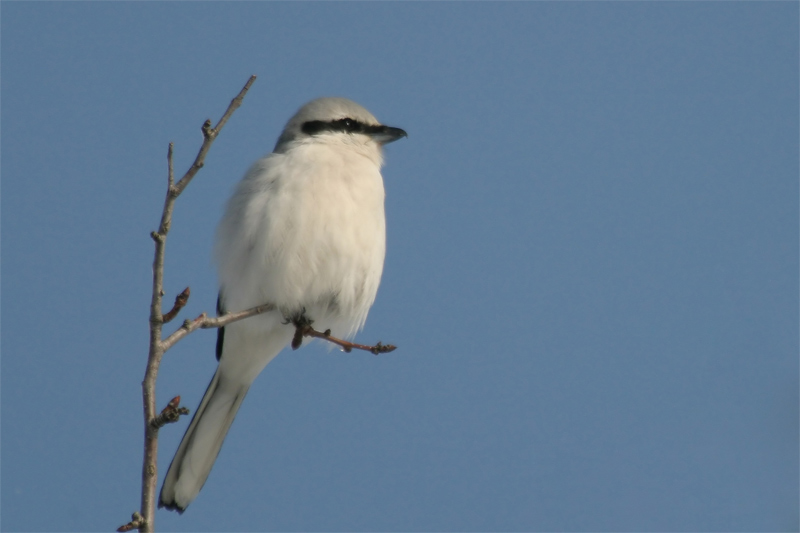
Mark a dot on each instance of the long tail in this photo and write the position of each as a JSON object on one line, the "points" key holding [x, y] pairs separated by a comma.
{"points": [[201, 444]]}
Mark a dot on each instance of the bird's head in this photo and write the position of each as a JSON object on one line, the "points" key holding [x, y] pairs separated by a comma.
{"points": [[332, 118]]}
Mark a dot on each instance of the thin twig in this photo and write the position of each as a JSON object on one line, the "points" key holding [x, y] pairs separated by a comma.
{"points": [[180, 303], [209, 134], [304, 329], [170, 168], [205, 322]]}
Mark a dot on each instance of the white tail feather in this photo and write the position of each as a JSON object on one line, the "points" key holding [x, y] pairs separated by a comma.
{"points": [[201, 443]]}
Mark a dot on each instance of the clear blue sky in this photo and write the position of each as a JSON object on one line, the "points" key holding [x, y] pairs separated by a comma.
{"points": [[592, 269]]}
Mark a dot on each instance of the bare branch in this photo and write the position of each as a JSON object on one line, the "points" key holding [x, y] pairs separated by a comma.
{"points": [[204, 322], [146, 519]]}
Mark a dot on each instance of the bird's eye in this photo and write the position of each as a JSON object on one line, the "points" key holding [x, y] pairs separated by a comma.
{"points": [[348, 124]]}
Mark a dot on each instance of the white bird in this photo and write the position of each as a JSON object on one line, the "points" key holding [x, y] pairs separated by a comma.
{"points": [[304, 230]]}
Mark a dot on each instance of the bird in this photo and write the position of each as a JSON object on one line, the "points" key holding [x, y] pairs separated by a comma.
{"points": [[304, 230]]}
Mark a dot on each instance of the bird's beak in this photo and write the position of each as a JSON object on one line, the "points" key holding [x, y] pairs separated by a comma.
{"points": [[386, 134]]}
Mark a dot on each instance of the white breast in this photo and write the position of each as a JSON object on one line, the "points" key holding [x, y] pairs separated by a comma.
{"points": [[306, 229]]}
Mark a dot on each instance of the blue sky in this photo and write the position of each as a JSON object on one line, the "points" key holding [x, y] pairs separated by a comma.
{"points": [[592, 266]]}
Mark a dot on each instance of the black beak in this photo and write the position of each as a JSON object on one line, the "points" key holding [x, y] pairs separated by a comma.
{"points": [[386, 134]]}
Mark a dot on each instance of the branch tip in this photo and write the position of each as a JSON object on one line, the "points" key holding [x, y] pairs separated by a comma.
{"points": [[170, 172], [180, 302]]}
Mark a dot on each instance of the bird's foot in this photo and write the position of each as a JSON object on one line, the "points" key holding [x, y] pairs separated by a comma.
{"points": [[302, 325]]}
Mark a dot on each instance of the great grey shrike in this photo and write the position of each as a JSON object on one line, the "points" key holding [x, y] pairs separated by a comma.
{"points": [[304, 230]]}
